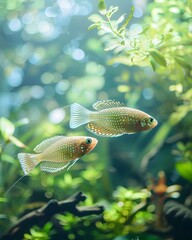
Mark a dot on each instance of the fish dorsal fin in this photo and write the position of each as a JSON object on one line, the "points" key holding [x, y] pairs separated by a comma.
{"points": [[47, 143], [102, 131], [56, 166], [100, 105]]}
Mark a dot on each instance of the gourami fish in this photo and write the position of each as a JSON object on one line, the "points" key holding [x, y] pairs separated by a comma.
{"points": [[111, 119], [57, 153]]}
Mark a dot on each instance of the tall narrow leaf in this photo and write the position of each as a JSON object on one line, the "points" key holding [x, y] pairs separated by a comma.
{"points": [[7, 128], [102, 7], [158, 57], [127, 20], [182, 63]]}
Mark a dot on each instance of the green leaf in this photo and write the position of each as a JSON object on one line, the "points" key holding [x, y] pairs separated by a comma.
{"points": [[27, 236], [127, 20], [3, 200], [185, 170], [7, 128], [102, 7], [145, 29], [190, 5], [182, 63], [111, 11], [111, 47], [21, 122], [17, 142], [95, 18], [7, 158], [153, 64], [94, 25], [120, 20], [120, 59], [158, 57]]}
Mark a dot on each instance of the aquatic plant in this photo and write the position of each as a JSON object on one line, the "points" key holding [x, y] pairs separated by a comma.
{"points": [[156, 42], [50, 60]]}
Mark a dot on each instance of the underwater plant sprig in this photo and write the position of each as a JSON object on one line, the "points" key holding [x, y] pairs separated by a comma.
{"points": [[155, 43]]}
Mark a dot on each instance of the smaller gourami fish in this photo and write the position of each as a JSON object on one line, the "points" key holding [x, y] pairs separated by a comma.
{"points": [[57, 153], [111, 119]]}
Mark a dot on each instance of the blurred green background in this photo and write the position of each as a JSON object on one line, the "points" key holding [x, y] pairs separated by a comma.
{"points": [[49, 59]]}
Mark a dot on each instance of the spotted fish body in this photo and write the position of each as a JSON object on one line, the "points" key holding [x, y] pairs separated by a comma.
{"points": [[111, 119], [57, 153]]}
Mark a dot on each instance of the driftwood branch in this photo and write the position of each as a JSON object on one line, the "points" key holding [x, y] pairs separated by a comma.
{"points": [[44, 214]]}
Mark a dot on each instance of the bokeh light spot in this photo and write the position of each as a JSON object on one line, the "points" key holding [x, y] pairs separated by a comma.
{"points": [[27, 18], [148, 93], [57, 115], [47, 78], [135, 28], [138, 12], [61, 87], [35, 59], [15, 25], [15, 77], [50, 12], [78, 54], [37, 92], [45, 27]]}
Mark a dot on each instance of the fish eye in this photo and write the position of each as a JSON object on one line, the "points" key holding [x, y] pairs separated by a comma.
{"points": [[151, 119], [88, 140]]}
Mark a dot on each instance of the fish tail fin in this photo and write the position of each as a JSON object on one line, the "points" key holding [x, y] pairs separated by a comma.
{"points": [[28, 162], [79, 115]]}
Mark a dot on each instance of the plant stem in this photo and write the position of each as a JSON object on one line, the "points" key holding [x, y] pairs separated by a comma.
{"points": [[1, 172]]}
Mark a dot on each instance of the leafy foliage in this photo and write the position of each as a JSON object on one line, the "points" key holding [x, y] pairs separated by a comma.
{"points": [[184, 164], [157, 42], [120, 217], [44, 233], [49, 60]]}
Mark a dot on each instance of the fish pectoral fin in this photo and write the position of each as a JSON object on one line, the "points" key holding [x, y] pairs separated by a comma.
{"points": [[48, 166], [72, 163], [100, 105], [102, 131], [47, 143]]}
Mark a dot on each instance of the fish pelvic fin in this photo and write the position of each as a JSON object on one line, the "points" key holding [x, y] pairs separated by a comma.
{"points": [[102, 130], [28, 162], [79, 115]]}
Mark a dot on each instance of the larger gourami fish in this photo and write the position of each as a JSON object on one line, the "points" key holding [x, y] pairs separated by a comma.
{"points": [[57, 153], [111, 119]]}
